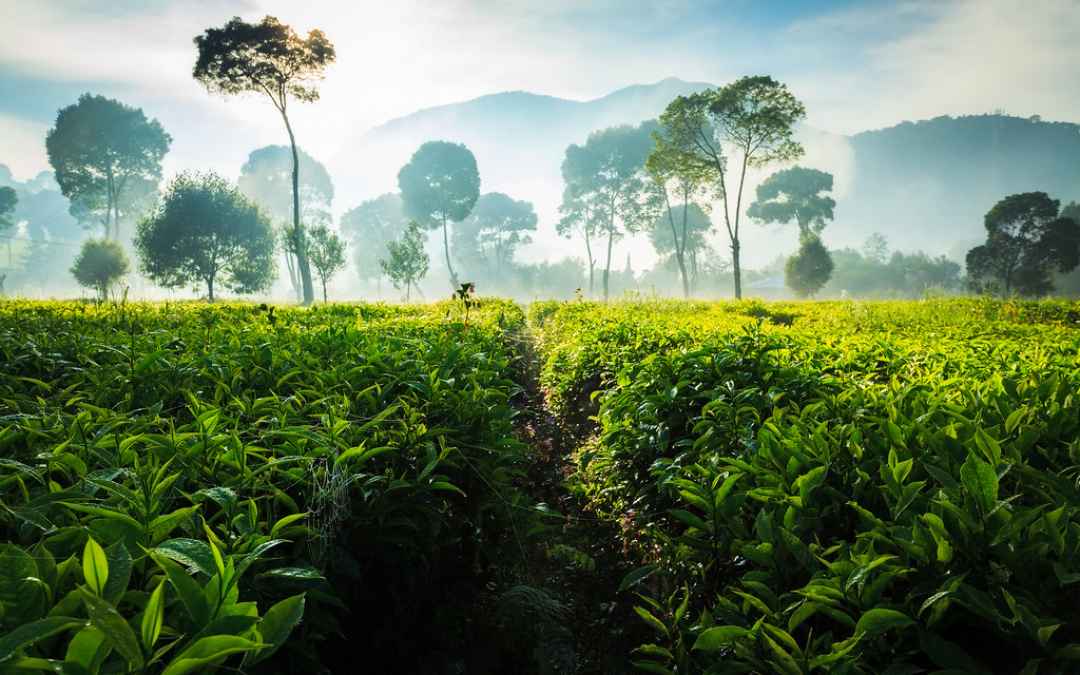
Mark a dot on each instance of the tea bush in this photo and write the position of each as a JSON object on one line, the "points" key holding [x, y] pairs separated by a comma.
{"points": [[835, 487], [187, 486]]}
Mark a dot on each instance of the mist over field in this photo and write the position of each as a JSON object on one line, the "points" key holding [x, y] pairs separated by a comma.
{"points": [[925, 114]]}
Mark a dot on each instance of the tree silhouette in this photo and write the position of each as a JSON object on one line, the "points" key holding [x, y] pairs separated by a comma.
{"points": [[268, 58], [205, 231], [795, 194], [107, 159], [440, 185]]}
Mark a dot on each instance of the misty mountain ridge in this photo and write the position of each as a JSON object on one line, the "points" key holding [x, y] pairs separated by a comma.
{"points": [[924, 184]]}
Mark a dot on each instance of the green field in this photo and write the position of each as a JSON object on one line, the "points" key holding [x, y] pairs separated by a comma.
{"points": [[670, 487]]}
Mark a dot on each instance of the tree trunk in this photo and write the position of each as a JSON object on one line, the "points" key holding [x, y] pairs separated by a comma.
{"points": [[679, 246], [323, 290], [607, 267], [210, 288], [408, 287], [446, 251], [736, 269], [592, 262], [298, 230], [293, 278]]}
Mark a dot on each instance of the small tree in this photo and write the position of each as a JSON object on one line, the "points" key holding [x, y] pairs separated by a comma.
{"points": [[99, 265], [268, 58], [876, 248], [440, 185], [579, 214], [107, 159], [205, 231], [679, 234], [795, 194], [808, 270], [327, 253], [1026, 238], [407, 261]]}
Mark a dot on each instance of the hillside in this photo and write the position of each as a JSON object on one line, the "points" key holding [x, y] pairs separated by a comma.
{"points": [[924, 184]]}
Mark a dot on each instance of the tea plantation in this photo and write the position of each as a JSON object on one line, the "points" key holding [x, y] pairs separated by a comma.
{"points": [[667, 487]]}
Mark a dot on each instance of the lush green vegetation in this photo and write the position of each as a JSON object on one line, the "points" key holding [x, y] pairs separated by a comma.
{"points": [[834, 487], [182, 483], [787, 487]]}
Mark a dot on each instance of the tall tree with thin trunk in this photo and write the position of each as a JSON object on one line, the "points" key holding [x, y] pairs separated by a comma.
{"points": [[271, 59], [439, 186], [8, 199], [607, 174], [687, 181], [579, 215], [752, 121], [107, 159]]}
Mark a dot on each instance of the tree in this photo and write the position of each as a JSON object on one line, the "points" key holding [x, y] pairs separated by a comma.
{"points": [[684, 243], [795, 194], [99, 265], [1026, 238], [809, 269], [107, 159], [370, 227], [876, 248], [608, 174], [752, 120], [494, 230], [440, 185], [268, 58], [688, 180], [8, 200], [326, 250], [579, 215], [266, 179], [205, 231], [407, 261]]}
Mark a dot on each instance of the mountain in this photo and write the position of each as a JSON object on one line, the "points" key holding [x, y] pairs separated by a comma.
{"points": [[925, 185]]}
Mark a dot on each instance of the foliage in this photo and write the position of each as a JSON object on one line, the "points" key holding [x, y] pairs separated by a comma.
{"points": [[1026, 239], [752, 121], [835, 487], [326, 250], [266, 180], [268, 58], [605, 183], [99, 265], [875, 273], [809, 269], [8, 200], [407, 261], [206, 232], [440, 185], [370, 227], [487, 239], [795, 194], [107, 159], [163, 473]]}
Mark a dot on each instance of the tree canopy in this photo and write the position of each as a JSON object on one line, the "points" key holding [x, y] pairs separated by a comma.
{"points": [[8, 200], [605, 178], [370, 227], [99, 265], [206, 231], [268, 58], [440, 185], [795, 194], [266, 179], [107, 159], [494, 230], [1026, 239], [809, 269]]}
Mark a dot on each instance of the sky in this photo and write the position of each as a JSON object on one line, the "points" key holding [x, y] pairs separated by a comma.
{"points": [[856, 65]]}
